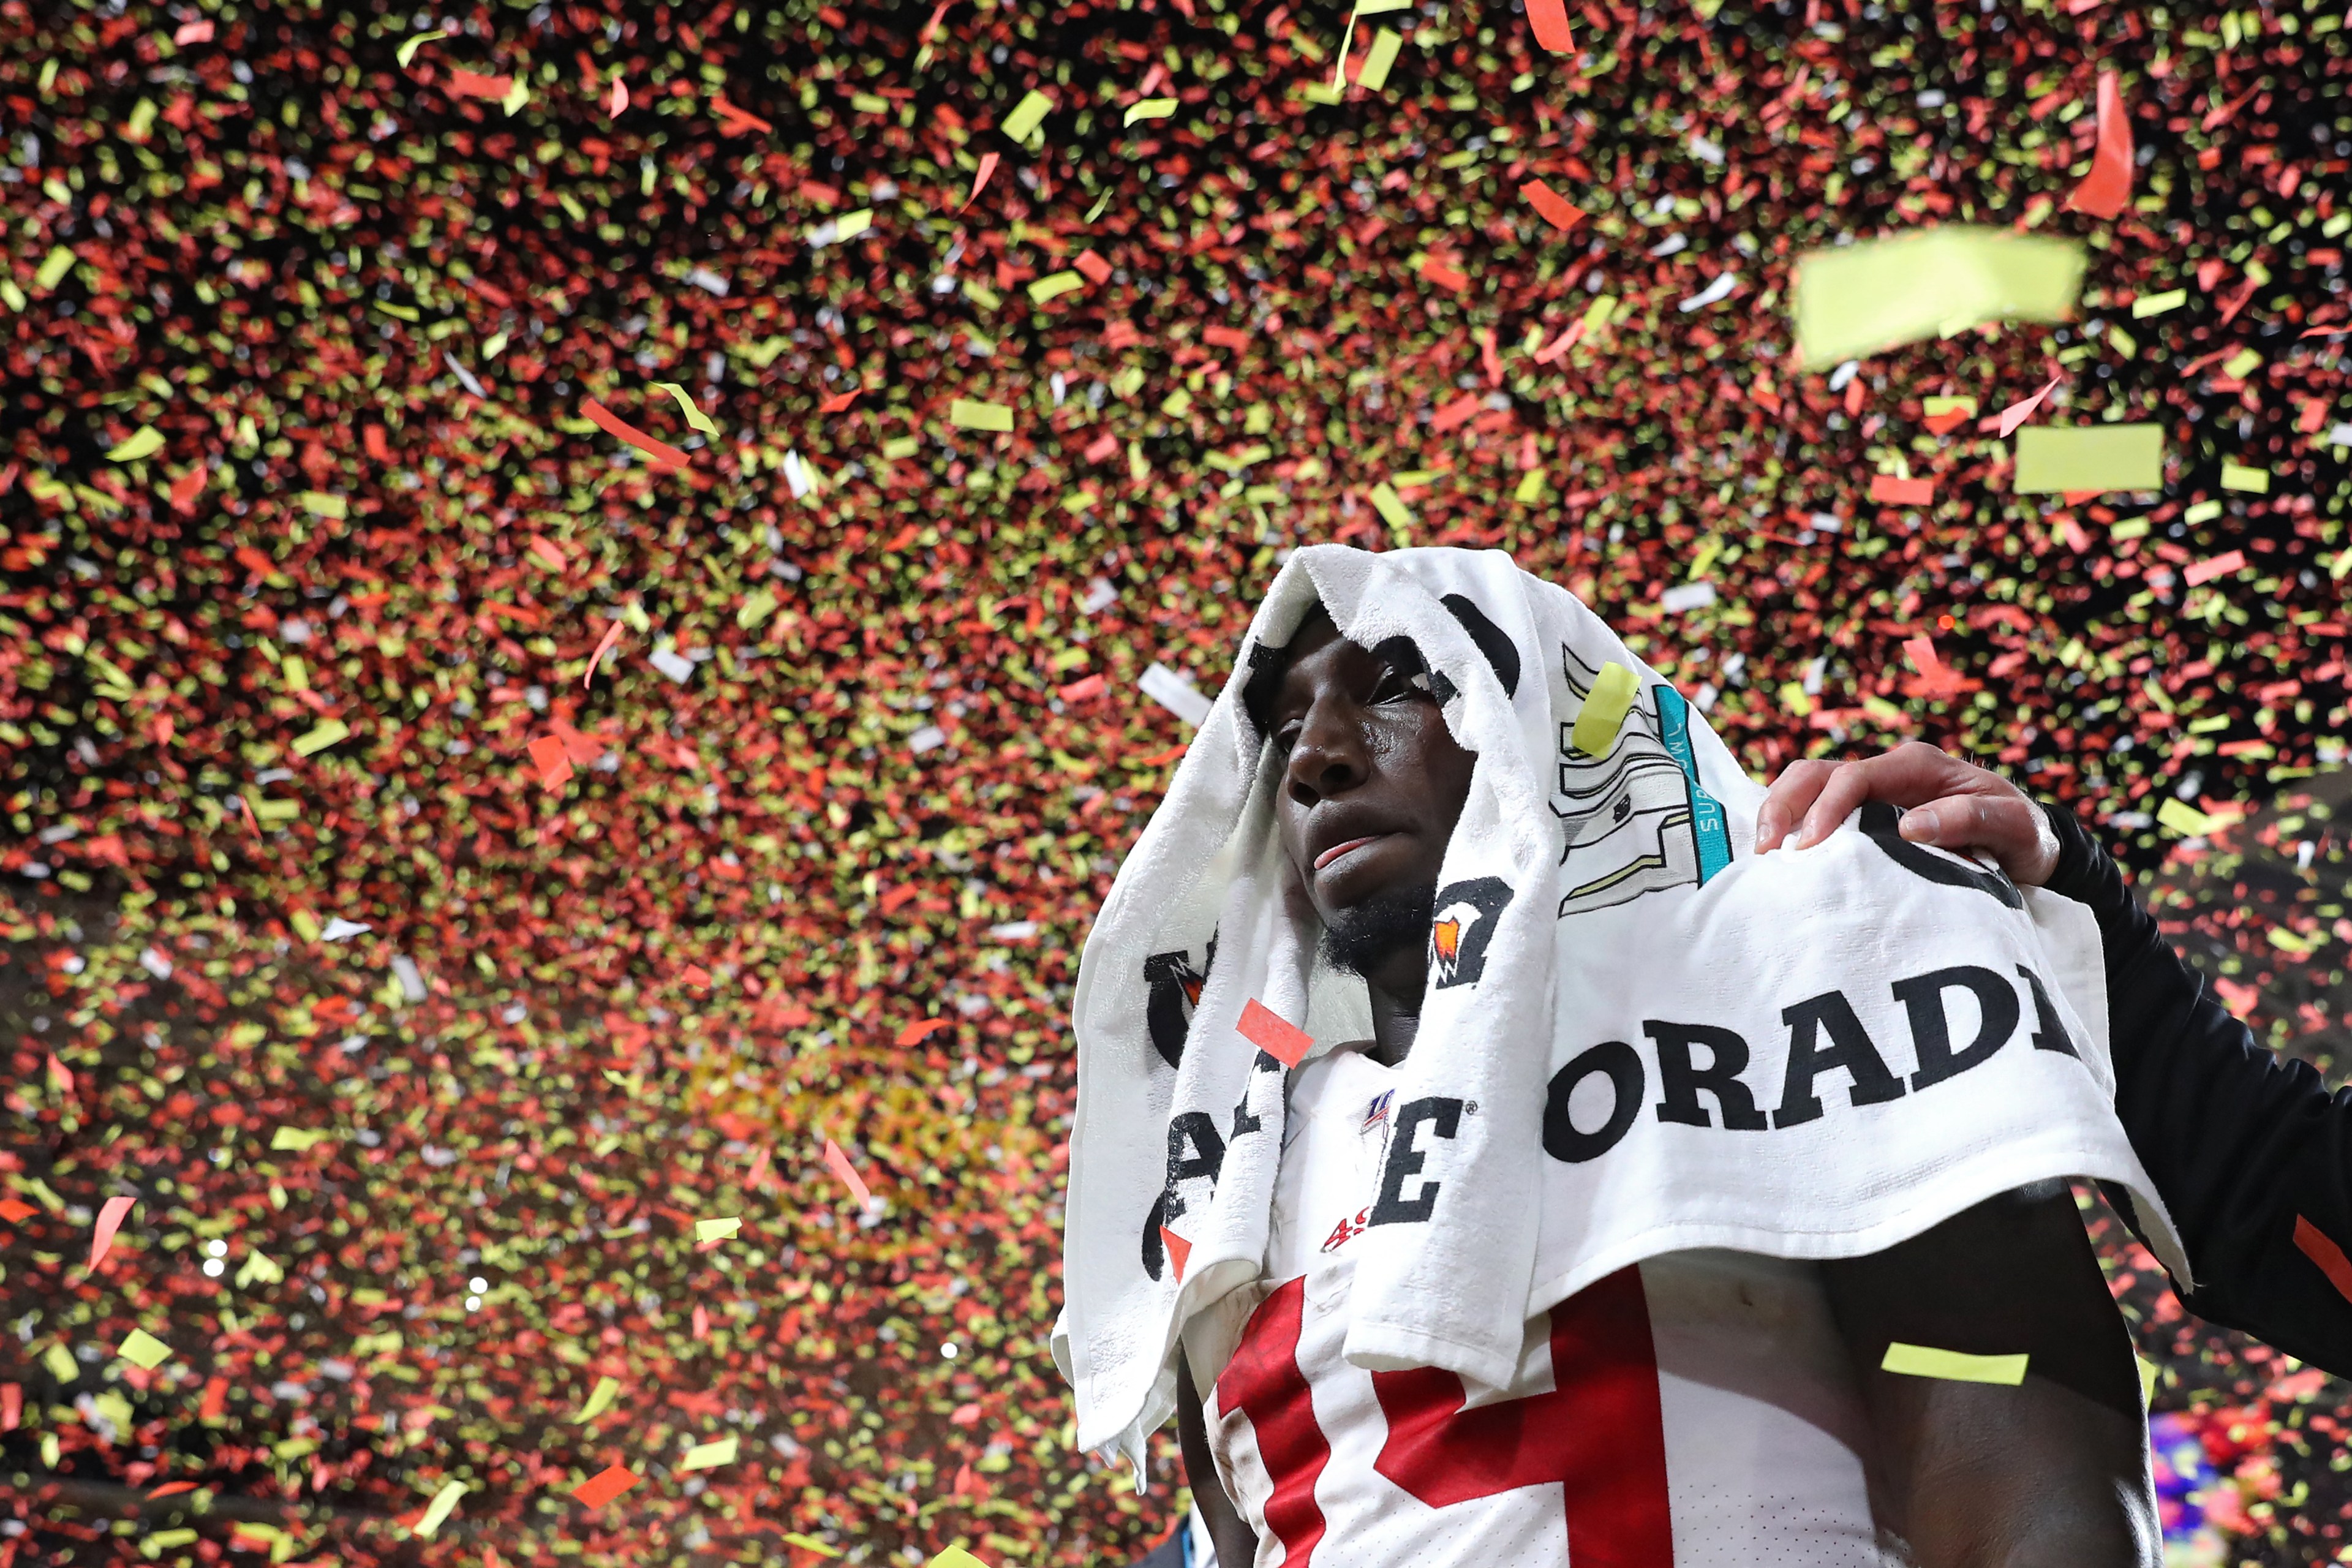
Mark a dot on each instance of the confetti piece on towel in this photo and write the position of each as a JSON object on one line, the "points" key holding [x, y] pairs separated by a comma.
{"points": [[110, 1220], [599, 1399], [838, 1163], [613, 425], [1179, 1251], [2056, 459], [144, 1350], [1953, 1366], [1604, 710], [444, 1504], [604, 1486], [1275, 1034]]}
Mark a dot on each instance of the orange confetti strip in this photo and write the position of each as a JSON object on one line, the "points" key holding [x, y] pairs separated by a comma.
{"points": [[471, 84], [604, 1486], [554, 765], [1893, 491], [110, 1220], [2018, 412], [2219, 566], [1548, 19], [988, 162], [612, 423], [2106, 188], [1554, 208], [839, 1164], [915, 1033], [611, 636]]}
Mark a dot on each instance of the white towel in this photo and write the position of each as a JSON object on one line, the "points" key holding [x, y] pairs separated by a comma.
{"points": [[1606, 952]]}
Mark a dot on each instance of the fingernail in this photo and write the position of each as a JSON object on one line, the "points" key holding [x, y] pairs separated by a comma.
{"points": [[1921, 823]]}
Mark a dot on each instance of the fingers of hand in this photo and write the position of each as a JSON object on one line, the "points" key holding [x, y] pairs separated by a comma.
{"points": [[1786, 802]]}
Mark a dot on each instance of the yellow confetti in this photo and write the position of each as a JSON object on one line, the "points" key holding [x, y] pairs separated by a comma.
{"points": [[146, 441], [54, 267], [2147, 1380], [599, 1399], [60, 1364], [972, 416], [407, 50], [517, 96], [1966, 408], [321, 737], [2238, 476], [717, 1229], [141, 1349], [2052, 457], [1953, 1366], [955, 1557], [2188, 821], [1150, 109], [1386, 44], [444, 1504], [1391, 507], [1027, 115], [1604, 710], [710, 1456], [298, 1139], [2157, 304], [1531, 486], [1598, 314], [850, 225], [2236, 366], [694, 416], [319, 503], [1861, 299], [811, 1543], [1054, 284], [2203, 511]]}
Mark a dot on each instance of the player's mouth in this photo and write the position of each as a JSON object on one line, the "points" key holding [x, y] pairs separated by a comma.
{"points": [[1337, 851]]}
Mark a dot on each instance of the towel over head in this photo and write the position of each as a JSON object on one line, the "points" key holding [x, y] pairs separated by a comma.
{"points": [[1638, 1038]]}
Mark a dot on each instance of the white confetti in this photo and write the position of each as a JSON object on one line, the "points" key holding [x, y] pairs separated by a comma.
{"points": [[927, 738], [1177, 695], [465, 375], [1712, 292], [675, 665], [339, 928], [1686, 596]]}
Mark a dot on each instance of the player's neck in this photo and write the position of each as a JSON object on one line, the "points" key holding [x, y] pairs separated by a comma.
{"points": [[1395, 1020]]}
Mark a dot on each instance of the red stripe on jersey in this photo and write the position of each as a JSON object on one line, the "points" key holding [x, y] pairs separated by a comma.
{"points": [[1263, 1383], [1599, 1433]]}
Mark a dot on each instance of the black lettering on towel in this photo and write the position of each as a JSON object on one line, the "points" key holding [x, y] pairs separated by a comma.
{"points": [[1680, 1077], [1931, 1029], [1850, 1048], [1444, 1117]]}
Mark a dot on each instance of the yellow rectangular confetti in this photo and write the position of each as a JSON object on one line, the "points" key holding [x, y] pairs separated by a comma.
{"points": [[2236, 366], [972, 416], [710, 1456], [1386, 44], [319, 503], [955, 1557], [1604, 710], [717, 1229], [444, 1504], [811, 1543], [142, 442], [1027, 115], [2187, 820], [1966, 408], [1953, 1366], [2238, 476], [2148, 305], [1391, 508], [1053, 286], [321, 737], [2055, 458], [1597, 315], [599, 1400], [297, 1139], [1862, 299], [60, 1364], [141, 1349], [850, 225], [54, 267], [1150, 109]]}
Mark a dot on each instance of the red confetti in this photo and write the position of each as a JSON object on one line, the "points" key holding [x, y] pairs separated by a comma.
{"points": [[838, 1163], [1554, 208], [1179, 1251], [1893, 491], [2105, 190], [1276, 1036], [1548, 19], [604, 1486], [110, 1220], [2220, 565], [612, 423]]}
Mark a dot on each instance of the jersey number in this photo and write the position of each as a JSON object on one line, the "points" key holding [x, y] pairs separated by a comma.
{"points": [[1599, 1433]]}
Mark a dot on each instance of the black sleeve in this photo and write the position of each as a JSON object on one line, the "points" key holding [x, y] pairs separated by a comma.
{"points": [[2249, 1151]]}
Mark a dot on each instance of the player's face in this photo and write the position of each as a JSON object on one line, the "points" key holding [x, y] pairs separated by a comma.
{"points": [[1372, 781]]}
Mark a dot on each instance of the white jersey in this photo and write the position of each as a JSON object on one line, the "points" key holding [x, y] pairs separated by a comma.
{"points": [[1699, 1411]]}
